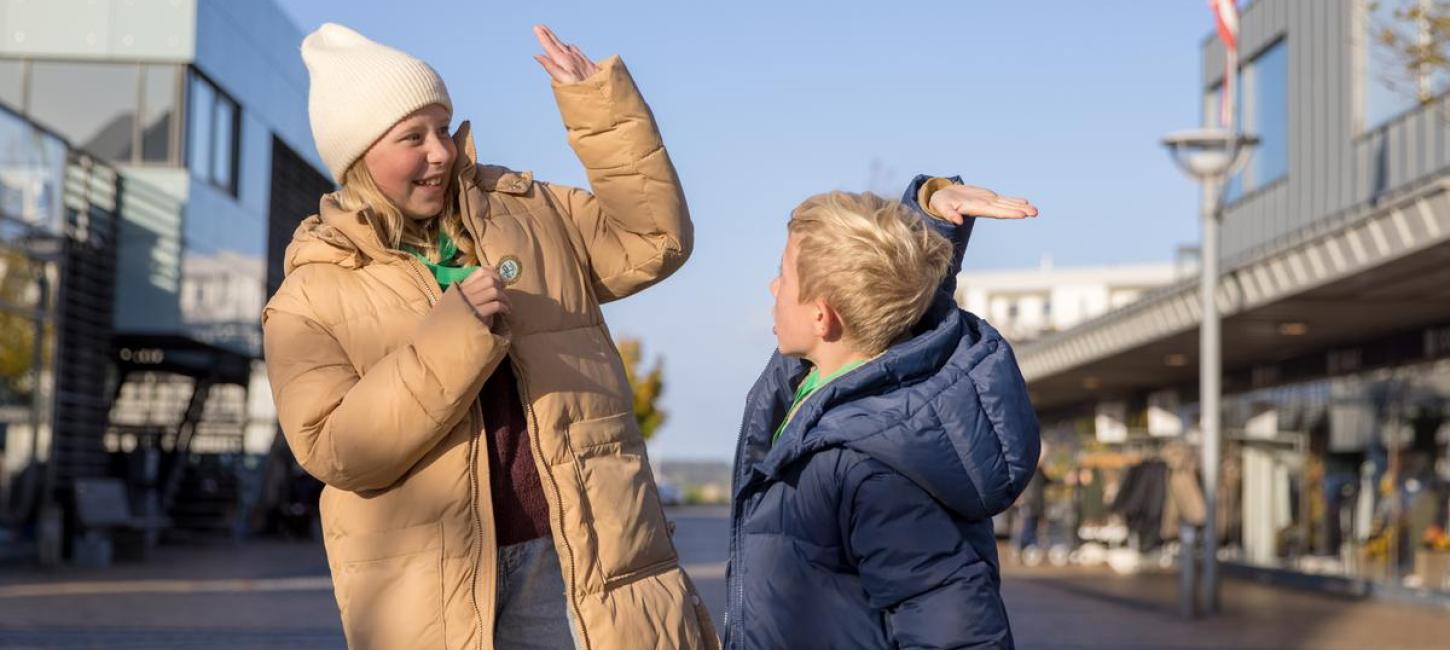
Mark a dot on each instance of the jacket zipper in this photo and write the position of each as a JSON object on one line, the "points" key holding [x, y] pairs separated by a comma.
{"points": [[735, 623], [567, 560], [419, 273], [474, 498], [737, 522], [414, 265]]}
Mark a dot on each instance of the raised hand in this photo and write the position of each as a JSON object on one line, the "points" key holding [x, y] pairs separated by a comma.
{"points": [[957, 202], [564, 62]]}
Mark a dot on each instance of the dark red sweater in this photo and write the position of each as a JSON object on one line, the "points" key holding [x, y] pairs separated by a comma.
{"points": [[520, 512]]}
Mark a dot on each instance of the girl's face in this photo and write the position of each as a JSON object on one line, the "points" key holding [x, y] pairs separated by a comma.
{"points": [[412, 163]]}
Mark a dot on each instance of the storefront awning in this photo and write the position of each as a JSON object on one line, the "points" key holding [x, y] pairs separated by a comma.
{"points": [[1381, 269]]}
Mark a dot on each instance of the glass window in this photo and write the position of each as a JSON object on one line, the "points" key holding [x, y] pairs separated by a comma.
{"points": [[1353, 467], [158, 112], [213, 135], [17, 345], [1261, 107], [94, 105], [1271, 115], [32, 172], [200, 102], [12, 78], [20, 290], [224, 145]]}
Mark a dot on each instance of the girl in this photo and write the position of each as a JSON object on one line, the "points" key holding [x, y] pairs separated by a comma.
{"points": [[439, 360]]}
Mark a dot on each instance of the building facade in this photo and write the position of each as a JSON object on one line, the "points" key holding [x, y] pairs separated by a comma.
{"points": [[1027, 304], [200, 108], [1336, 312]]}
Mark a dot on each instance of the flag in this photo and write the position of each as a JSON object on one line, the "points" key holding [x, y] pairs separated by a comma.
{"points": [[1226, 18]]}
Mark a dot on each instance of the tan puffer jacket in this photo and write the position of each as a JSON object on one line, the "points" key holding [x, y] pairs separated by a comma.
{"points": [[376, 375]]}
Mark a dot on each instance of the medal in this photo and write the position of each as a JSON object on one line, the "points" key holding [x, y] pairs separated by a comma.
{"points": [[510, 269]]}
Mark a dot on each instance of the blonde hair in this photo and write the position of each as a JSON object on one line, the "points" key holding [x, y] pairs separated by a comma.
{"points": [[873, 261], [360, 192]]}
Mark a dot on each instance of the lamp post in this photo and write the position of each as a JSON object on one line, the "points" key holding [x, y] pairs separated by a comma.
{"points": [[1209, 156]]}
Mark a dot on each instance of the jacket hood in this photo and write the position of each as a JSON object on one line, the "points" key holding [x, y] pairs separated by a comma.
{"points": [[947, 409]]}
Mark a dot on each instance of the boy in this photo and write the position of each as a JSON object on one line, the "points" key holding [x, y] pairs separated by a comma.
{"points": [[885, 432]]}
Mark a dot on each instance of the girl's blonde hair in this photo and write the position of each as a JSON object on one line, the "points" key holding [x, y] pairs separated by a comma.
{"points": [[360, 192], [875, 263]]}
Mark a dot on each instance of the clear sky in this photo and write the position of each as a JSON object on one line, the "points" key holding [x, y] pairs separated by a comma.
{"points": [[765, 103]]}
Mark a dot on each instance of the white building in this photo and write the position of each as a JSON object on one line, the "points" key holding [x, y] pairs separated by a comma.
{"points": [[1024, 304]]}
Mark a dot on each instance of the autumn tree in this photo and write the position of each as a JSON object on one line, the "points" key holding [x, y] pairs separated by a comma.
{"points": [[1413, 37], [648, 386]]}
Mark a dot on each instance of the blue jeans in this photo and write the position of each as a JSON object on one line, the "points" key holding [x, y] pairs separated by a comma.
{"points": [[532, 612]]}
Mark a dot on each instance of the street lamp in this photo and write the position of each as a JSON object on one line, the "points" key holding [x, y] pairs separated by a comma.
{"points": [[1209, 156]]}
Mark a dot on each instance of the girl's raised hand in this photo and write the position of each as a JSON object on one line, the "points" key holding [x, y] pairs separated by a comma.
{"points": [[564, 62]]}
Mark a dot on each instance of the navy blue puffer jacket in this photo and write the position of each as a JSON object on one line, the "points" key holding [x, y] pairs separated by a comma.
{"points": [[868, 523]]}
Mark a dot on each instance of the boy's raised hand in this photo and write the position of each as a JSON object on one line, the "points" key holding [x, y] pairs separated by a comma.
{"points": [[565, 62], [957, 202]]}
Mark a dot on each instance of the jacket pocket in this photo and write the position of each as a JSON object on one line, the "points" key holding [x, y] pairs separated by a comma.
{"points": [[619, 493], [390, 587]]}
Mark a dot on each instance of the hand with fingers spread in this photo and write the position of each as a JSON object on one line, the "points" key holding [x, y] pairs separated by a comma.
{"points": [[484, 291], [957, 202], [564, 62]]}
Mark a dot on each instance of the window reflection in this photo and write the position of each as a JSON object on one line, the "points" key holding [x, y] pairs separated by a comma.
{"points": [[32, 170], [223, 148], [200, 100], [1261, 107], [1271, 115], [19, 296], [12, 75], [213, 135], [158, 105], [94, 105], [1391, 88], [122, 112]]}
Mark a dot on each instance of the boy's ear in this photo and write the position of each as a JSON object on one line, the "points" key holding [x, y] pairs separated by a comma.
{"points": [[827, 323]]}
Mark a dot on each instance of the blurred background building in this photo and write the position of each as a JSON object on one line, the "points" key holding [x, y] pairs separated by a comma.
{"points": [[1028, 304], [156, 157], [1336, 330]]}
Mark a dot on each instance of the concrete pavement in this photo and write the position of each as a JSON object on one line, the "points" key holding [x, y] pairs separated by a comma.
{"points": [[266, 594]]}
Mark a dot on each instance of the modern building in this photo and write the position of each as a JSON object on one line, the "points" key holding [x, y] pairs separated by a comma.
{"points": [[1026, 304], [58, 224], [1335, 298], [200, 108]]}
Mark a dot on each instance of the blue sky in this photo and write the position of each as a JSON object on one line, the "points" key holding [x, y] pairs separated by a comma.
{"points": [[765, 103]]}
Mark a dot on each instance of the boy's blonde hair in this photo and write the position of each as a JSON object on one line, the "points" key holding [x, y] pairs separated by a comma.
{"points": [[873, 261], [360, 191]]}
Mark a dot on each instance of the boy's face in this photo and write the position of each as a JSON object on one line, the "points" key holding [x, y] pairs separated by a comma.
{"points": [[798, 326]]}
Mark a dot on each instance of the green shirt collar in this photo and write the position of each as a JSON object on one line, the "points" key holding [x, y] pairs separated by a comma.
{"points": [[447, 271], [812, 383]]}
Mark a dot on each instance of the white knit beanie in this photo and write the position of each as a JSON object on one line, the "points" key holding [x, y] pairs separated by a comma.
{"points": [[360, 89]]}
